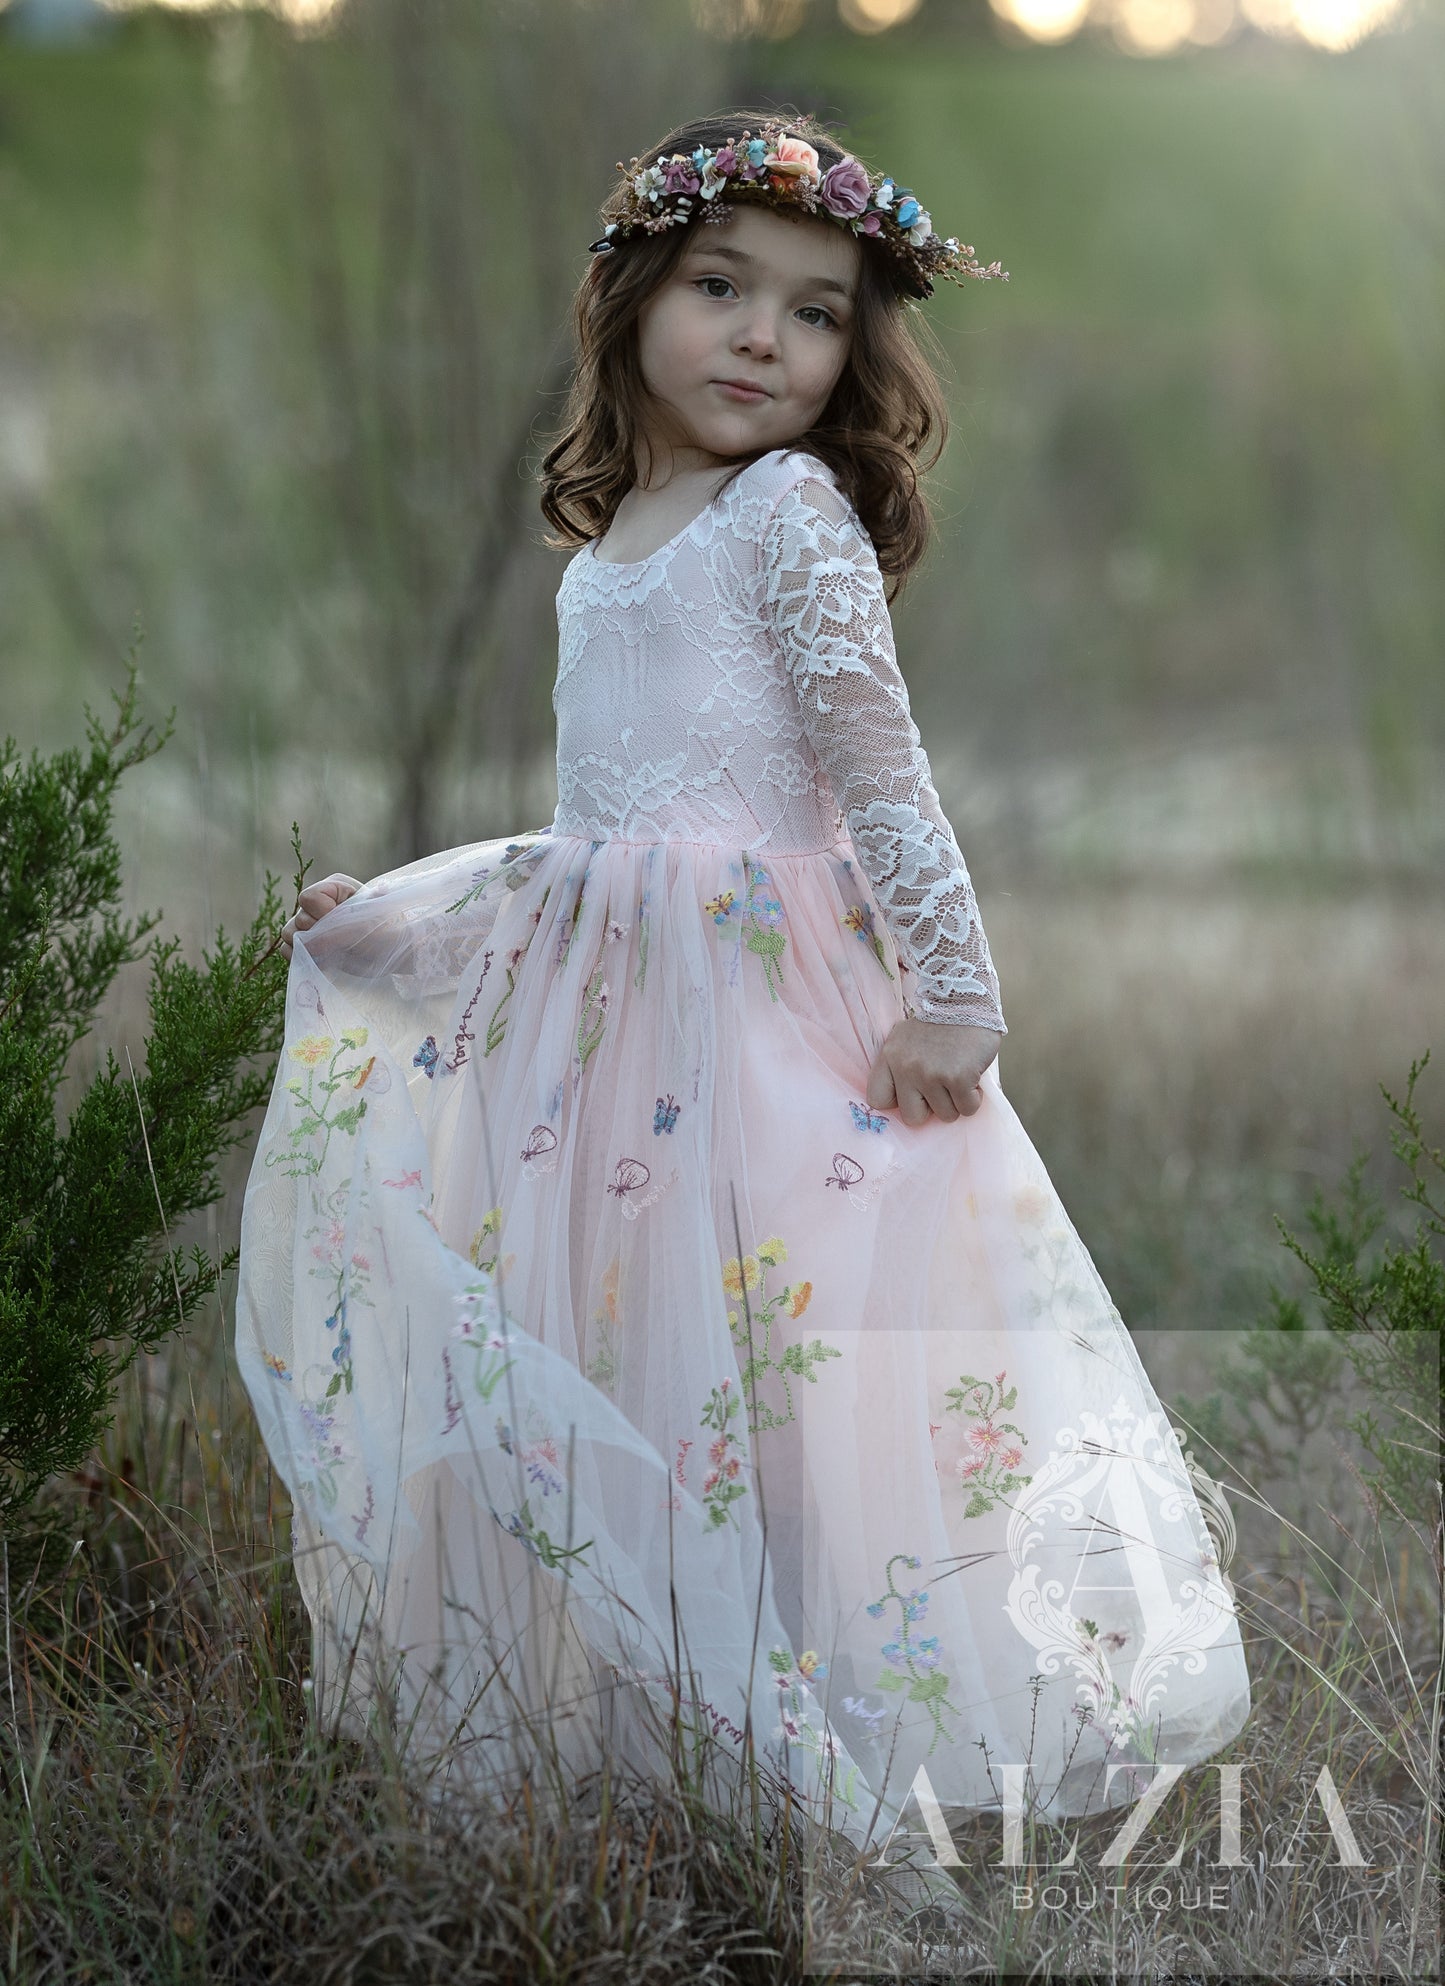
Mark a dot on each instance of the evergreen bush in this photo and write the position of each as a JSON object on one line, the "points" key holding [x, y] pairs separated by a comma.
{"points": [[1385, 1313], [88, 1278]]}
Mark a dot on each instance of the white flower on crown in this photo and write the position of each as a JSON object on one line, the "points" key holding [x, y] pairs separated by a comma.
{"points": [[712, 179], [883, 196], [648, 183], [920, 231]]}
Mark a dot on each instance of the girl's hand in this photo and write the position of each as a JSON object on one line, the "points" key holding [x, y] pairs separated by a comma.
{"points": [[932, 1066], [313, 903]]}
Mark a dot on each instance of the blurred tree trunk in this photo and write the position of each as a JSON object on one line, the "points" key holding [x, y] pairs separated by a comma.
{"points": [[481, 135]]}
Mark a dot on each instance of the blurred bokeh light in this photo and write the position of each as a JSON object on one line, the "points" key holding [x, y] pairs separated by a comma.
{"points": [[1162, 27], [875, 16]]}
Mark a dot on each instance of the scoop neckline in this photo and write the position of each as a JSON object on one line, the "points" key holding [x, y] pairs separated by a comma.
{"points": [[633, 565]]}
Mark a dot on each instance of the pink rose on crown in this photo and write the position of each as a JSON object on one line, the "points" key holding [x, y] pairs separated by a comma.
{"points": [[796, 152], [845, 189]]}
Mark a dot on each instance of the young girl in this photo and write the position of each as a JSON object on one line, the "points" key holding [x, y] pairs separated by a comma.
{"points": [[656, 1309]]}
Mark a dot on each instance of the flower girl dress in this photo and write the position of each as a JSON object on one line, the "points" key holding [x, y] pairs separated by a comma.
{"points": [[632, 1379]]}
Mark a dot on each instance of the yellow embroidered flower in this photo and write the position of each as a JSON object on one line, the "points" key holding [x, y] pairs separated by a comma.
{"points": [[354, 1037], [312, 1048], [772, 1251], [802, 1296], [810, 1662], [738, 1276], [491, 1224]]}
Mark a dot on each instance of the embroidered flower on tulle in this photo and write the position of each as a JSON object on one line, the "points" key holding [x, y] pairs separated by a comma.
{"points": [[989, 1475], [740, 1275], [911, 1663], [311, 1049]]}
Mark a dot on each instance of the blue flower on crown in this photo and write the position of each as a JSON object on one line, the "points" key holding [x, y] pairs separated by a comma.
{"points": [[908, 212]]}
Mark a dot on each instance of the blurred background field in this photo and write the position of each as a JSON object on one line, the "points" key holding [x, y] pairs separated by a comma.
{"points": [[283, 319], [283, 324]]}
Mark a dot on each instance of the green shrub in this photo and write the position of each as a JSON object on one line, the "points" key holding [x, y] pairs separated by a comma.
{"points": [[1385, 1312], [87, 1276]]}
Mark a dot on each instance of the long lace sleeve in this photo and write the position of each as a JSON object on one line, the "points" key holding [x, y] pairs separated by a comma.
{"points": [[824, 596]]}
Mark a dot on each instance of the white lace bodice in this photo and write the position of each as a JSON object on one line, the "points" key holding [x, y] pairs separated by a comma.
{"points": [[740, 687]]}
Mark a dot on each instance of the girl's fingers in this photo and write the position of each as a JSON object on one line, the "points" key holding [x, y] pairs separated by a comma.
{"points": [[913, 1105], [941, 1103], [881, 1094]]}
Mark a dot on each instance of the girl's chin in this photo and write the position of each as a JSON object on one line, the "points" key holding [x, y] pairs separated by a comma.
{"points": [[741, 433]]}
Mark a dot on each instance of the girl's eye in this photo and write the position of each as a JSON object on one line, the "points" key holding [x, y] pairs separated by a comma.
{"points": [[715, 279], [826, 315]]}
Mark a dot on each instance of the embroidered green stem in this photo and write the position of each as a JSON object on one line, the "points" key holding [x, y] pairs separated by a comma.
{"points": [[315, 1099], [912, 1660], [798, 1360], [723, 1485], [862, 923], [763, 914], [990, 1474], [594, 1019]]}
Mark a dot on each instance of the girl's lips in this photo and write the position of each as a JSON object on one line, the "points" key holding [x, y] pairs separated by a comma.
{"points": [[748, 394]]}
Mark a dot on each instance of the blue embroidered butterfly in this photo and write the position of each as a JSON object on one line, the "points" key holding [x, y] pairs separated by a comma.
{"points": [[665, 1115], [867, 1120], [426, 1056]]}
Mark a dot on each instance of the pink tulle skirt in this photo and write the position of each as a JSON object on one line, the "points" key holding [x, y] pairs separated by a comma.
{"points": [[630, 1376]]}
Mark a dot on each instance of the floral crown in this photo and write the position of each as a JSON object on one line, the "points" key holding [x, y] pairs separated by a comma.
{"points": [[784, 172]]}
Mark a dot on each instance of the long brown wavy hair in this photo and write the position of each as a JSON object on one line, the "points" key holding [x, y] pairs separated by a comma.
{"points": [[885, 421]]}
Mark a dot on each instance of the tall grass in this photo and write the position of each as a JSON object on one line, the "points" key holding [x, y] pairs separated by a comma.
{"points": [[172, 1809]]}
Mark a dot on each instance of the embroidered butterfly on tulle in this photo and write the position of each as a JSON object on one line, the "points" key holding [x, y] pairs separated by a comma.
{"points": [[540, 1139], [846, 1172], [427, 1055], [664, 1118], [629, 1175], [867, 1120], [720, 908]]}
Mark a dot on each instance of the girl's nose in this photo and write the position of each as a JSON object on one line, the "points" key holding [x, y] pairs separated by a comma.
{"points": [[757, 337]]}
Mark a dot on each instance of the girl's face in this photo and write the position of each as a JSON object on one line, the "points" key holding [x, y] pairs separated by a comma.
{"points": [[761, 299]]}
